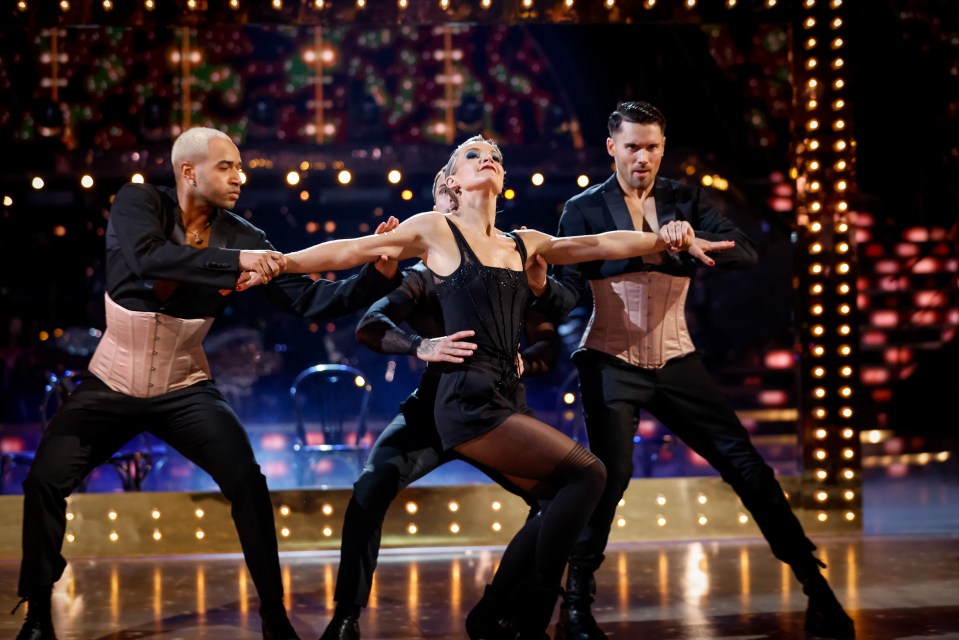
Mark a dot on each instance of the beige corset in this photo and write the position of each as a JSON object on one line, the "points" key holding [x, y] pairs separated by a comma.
{"points": [[145, 354], [640, 318]]}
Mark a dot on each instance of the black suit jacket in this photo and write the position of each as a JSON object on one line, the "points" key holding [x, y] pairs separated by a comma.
{"points": [[150, 268], [602, 208]]}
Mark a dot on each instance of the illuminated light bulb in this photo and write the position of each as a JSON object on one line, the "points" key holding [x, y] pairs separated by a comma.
{"points": [[112, 515], [284, 510], [809, 23], [486, 4], [403, 3], [64, 5], [702, 520], [582, 181], [86, 181], [114, 536], [812, 83], [835, 4], [810, 4], [137, 178], [406, 194], [411, 529], [848, 433], [820, 434], [818, 330], [621, 503], [359, 381], [814, 165], [444, 4], [394, 176], [70, 516], [509, 194], [454, 528], [344, 177], [293, 178], [155, 514], [816, 309], [150, 5], [7, 201], [842, 205], [701, 499], [838, 104], [848, 454], [836, 23], [496, 526], [850, 516], [815, 185], [70, 537], [820, 454], [107, 5], [199, 513], [846, 412], [304, 195], [319, 4], [22, 6], [327, 509], [821, 474], [815, 206], [815, 268], [818, 350], [242, 173], [234, 4], [743, 518], [848, 495], [327, 531], [843, 288], [730, 4], [537, 179], [822, 517], [37, 183], [842, 247], [661, 500], [569, 397], [816, 289], [815, 227], [839, 125], [844, 309], [199, 534], [411, 507], [621, 522], [285, 532], [822, 496], [848, 474], [838, 84], [191, 5], [810, 43], [157, 535], [453, 506], [844, 329], [660, 521], [811, 63], [845, 350], [843, 267], [819, 372], [845, 371]]}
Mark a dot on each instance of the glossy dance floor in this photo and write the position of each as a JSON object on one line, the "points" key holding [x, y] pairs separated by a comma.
{"points": [[894, 587]]}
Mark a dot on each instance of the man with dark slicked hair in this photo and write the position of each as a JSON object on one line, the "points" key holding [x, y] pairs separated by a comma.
{"points": [[637, 354]]}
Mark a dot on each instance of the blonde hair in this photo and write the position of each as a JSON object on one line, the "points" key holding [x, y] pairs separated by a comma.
{"points": [[193, 144]]}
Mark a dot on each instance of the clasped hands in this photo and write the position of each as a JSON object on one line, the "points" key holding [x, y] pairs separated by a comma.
{"points": [[679, 236], [260, 266]]}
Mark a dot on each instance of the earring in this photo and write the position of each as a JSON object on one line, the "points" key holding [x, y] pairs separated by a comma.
{"points": [[194, 183]]}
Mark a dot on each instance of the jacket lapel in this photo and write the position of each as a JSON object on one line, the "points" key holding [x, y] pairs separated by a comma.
{"points": [[617, 205]]}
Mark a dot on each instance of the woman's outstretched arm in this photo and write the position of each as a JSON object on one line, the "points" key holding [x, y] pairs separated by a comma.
{"points": [[613, 245], [407, 240]]}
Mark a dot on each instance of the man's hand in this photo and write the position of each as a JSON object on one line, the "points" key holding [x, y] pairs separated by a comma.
{"points": [[266, 264], [678, 235], [447, 348], [385, 265]]}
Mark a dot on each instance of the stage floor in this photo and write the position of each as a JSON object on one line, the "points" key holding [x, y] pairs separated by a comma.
{"points": [[894, 587]]}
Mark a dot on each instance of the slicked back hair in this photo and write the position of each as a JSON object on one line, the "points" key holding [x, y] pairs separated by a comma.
{"points": [[638, 113]]}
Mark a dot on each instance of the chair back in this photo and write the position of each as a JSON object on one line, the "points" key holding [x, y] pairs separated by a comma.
{"points": [[330, 405]]}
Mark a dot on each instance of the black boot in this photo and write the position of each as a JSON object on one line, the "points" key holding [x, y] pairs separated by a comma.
{"points": [[534, 609], [275, 624], [576, 621], [825, 617], [344, 625], [490, 618], [39, 624]]}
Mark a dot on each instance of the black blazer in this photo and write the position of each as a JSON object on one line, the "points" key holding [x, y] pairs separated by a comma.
{"points": [[150, 268], [602, 208]]}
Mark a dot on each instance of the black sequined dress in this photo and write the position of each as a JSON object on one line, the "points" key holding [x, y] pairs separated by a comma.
{"points": [[477, 395]]}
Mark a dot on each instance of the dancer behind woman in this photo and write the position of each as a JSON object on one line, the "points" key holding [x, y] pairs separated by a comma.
{"points": [[482, 286]]}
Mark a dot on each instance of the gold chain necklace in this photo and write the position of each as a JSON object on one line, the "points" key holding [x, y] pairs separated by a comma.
{"points": [[197, 238]]}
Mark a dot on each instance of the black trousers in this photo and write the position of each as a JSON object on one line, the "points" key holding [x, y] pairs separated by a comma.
{"points": [[95, 421], [408, 449], [683, 396]]}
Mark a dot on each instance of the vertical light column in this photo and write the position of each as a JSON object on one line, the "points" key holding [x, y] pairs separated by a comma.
{"points": [[826, 265]]}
